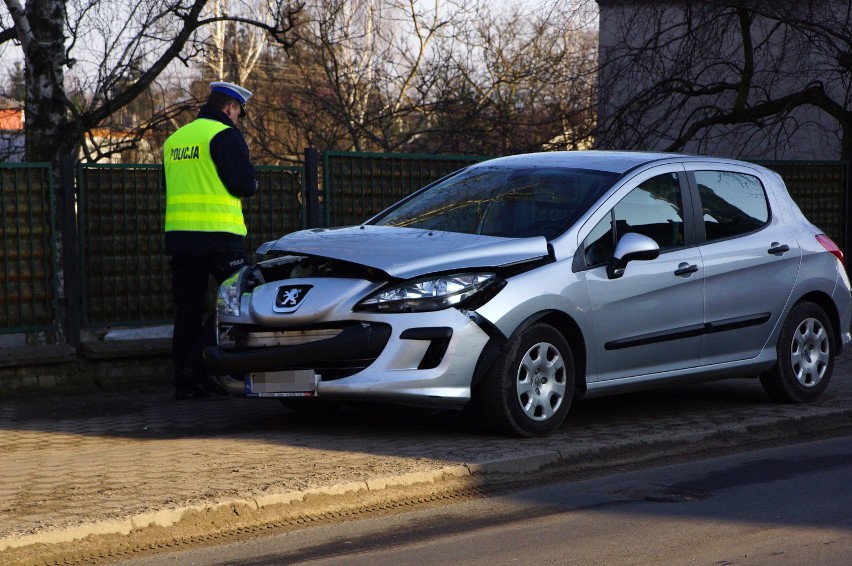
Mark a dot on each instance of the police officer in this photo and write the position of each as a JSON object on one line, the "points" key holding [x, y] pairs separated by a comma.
{"points": [[207, 172]]}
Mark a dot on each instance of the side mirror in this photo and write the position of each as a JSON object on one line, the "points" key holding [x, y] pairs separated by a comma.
{"points": [[631, 247]]}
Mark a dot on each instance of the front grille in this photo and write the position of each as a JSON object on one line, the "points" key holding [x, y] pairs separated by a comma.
{"points": [[352, 347], [287, 337]]}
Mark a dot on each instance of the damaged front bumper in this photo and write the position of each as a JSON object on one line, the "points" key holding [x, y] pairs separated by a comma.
{"points": [[424, 359]]}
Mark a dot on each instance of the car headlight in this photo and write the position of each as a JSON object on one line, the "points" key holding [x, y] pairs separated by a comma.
{"points": [[429, 294], [228, 297]]}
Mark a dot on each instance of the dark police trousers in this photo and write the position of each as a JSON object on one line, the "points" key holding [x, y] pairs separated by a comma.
{"points": [[190, 284]]}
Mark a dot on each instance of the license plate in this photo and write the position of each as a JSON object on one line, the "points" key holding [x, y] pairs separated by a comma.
{"points": [[293, 383]]}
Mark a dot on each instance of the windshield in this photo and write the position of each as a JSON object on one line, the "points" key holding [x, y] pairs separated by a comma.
{"points": [[502, 201]]}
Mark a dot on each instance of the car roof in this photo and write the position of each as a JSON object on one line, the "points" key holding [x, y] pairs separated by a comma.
{"points": [[610, 161]]}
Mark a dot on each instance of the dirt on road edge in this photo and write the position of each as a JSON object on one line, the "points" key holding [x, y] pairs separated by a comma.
{"points": [[227, 521]]}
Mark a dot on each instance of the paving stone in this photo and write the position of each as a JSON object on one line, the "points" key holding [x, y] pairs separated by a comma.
{"points": [[71, 461]]}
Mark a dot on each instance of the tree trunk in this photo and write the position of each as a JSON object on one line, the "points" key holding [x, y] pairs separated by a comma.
{"points": [[40, 29], [47, 114]]}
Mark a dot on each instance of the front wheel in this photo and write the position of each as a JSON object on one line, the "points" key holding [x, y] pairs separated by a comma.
{"points": [[531, 386], [806, 352]]}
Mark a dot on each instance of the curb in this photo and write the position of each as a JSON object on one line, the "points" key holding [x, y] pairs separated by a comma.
{"points": [[552, 464]]}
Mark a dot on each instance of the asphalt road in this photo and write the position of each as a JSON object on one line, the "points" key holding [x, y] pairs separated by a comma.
{"points": [[785, 506]]}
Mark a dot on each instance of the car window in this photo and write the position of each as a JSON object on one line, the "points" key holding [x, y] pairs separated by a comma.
{"points": [[654, 209], [502, 201], [733, 203]]}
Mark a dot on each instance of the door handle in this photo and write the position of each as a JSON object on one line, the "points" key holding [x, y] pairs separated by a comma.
{"points": [[685, 269], [778, 249]]}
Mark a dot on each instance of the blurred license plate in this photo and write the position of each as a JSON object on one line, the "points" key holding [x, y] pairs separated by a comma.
{"points": [[294, 383]]}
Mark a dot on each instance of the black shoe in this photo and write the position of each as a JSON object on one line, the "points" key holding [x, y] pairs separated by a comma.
{"points": [[211, 384], [184, 394]]}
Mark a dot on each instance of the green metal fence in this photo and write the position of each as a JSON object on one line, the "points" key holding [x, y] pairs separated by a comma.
{"points": [[125, 272], [356, 186], [124, 276], [277, 206], [821, 189], [28, 280], [123, 265]]}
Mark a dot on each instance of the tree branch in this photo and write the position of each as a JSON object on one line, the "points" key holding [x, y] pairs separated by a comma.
{"points": [[22, 28], [8, 34]]}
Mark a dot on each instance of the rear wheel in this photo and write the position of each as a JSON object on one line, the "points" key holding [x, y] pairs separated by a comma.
{"points": [[806, 352], [530, 388]]}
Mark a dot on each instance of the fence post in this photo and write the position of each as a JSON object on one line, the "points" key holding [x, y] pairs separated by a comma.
{"points": [[70, 253], [312, 203]]}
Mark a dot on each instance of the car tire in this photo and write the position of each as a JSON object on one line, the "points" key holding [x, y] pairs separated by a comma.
{"points": [[529, 389], [806, 352]]}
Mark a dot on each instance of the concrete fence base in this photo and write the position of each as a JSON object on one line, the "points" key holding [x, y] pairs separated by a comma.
{"points": [[93, 366]]}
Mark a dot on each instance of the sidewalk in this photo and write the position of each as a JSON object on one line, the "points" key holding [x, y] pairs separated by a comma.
{"points": [[76, 466]]}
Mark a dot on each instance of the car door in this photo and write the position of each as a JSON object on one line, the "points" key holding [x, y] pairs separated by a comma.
{"points": [[750, 261], [648, 320]]}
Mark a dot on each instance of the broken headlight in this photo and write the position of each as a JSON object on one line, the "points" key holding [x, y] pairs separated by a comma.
{"points": [[228, 297], [429, 294]]}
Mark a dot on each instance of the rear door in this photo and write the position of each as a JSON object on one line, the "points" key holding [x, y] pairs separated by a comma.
{"points": [[750, 261]]}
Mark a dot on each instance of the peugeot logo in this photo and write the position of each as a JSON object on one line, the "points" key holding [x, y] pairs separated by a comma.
{"points": [[289, 297]]}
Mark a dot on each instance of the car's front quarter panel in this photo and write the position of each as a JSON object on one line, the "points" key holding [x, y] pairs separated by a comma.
{"points": [[551, 287]]}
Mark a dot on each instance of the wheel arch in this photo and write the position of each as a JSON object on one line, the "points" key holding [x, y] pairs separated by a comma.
{"points": [[559, 320], [827, 304], [805, 364]]}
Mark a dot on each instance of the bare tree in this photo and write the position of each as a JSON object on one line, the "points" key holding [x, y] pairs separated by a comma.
{"points": [[372, 55], [736, 77], [391, 75], [527, 83], [369, 75], [87, 59], [353, 81], [235, 47]]}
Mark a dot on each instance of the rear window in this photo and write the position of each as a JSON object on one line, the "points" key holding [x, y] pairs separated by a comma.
{"points": [[733, 203], [501, 201]]}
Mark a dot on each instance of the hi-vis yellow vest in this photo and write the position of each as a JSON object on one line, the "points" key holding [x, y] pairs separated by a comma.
{"points": [[196, 199]]}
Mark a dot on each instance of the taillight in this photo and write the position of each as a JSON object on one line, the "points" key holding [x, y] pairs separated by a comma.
{"points": [[830, 246]]}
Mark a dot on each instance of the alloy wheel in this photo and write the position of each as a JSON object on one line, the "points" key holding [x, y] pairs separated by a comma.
{"points": [[541, 381], [809, 352]]}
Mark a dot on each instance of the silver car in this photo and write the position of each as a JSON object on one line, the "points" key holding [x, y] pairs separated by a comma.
{"points": [[523, 283]]}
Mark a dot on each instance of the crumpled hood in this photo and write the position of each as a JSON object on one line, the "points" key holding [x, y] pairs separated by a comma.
{"points": [[408, 252]]}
